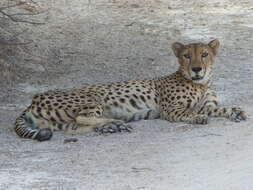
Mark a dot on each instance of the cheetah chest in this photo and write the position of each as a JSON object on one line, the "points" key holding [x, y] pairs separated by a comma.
{"points": [[182, 94]]}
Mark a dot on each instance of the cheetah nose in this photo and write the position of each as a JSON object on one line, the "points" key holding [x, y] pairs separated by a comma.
{"points": [[196, 69]]}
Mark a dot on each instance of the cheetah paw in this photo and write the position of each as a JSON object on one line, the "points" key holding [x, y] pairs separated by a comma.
{"points": [[237, 114], [113, 127], [200, 119]]}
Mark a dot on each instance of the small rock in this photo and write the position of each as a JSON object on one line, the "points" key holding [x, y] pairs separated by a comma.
{"points": [[70, 140], [135, 5]]}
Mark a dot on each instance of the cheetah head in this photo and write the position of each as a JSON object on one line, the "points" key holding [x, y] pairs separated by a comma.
{"points": [[196, 60]]}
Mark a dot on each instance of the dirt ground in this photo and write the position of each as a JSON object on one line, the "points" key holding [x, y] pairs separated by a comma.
{"points": [[96, 41]]}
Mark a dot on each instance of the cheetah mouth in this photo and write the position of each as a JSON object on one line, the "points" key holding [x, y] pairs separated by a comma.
{"points": [[196, 78]]}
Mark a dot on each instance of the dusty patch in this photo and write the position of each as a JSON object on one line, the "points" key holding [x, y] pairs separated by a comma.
{"points": [[87, 42]]}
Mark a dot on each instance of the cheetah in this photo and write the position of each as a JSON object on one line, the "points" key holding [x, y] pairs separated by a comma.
{"points": [[184, 96]]}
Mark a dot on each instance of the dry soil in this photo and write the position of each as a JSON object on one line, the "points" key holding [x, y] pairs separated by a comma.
{"points": [[96, 41]]}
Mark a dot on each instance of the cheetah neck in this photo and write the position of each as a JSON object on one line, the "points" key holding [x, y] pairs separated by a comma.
{"points": [[178, 76]]}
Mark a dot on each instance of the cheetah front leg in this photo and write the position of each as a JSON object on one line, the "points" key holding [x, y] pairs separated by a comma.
{"points": [[210, 107], [181, 113], [91, 118]]}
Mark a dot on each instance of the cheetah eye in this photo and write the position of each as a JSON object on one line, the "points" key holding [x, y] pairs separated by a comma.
{"points": [[187, 56], [204, 54]]}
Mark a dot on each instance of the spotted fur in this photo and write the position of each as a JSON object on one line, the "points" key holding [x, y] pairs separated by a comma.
{"points": [[182, 96]]}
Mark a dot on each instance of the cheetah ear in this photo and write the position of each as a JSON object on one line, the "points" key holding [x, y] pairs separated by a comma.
{"points": [[214, 44], [177, 48]]}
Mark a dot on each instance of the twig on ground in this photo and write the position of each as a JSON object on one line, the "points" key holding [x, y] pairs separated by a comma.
{"points": [[3, 42], [10, 6], [14, 19], [210, 134]]}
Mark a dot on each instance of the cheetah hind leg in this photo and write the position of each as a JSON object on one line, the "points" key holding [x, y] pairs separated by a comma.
{"points": [[91, 118], [100, 125], [113, 126]]}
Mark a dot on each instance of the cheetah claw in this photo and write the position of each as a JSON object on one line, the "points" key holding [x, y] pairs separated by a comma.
{"points": [[237, 114], [113, 127], [201, 119]]}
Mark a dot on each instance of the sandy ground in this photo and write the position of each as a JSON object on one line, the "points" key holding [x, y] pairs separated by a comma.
{"points": [[100, 41]]}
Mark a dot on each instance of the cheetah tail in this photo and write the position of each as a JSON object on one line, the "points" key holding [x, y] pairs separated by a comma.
{"points": [[26, 128]]}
